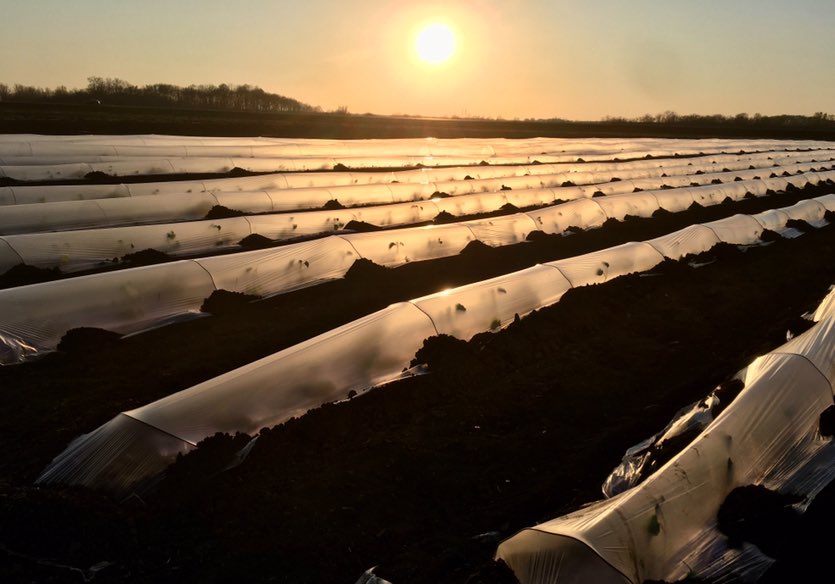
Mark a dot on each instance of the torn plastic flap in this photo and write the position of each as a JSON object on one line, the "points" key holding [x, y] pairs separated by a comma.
{"points": [[15, 350], [633, 467], [368, 577]]}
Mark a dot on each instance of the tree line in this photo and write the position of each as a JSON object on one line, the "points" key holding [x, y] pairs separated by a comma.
{"points": [[119, 92], [743, 119]]}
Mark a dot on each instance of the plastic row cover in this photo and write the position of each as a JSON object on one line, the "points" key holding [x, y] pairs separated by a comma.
{"points": [[665, 528], [425, 176], [100, 300], [342, 154], [155, 167], [182, 146], [357, 355], [137, 210], [82, 249], [163, 166]]}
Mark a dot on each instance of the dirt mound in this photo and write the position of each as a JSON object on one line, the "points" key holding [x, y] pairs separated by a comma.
{"points": [[361, 226], [332, 205], [256, 241], [365, 270], [800, 225], [476, 249], [24, 274], [224, 302], [221, 212], [145, 257], [213, 455], [87, 339], [761, 516], [444, 217], [827, 422], [769, 235]]}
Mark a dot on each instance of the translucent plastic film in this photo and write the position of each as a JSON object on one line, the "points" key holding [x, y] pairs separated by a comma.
{"points": [[405, 184], [695, 239], [270, 271], [192, 206], [664, 529], [400, 246], [103, 212], [275, 270], [83, 249], [141, 450], [500, 231], [601, 266], [293, 381], [583, 214], [160, 158], [78, 250], [380, 345], [492, 304], [123, 301], [739, 229]]}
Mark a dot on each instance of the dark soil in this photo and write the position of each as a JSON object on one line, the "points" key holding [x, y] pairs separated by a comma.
{"points": [[146, 257], [827, 422], [256, 241], [224, 302], [761, 516], [333, 204], [444, 217], [23, 274], [806, 556], [425, 476], [222, 212], [360, 226], [799, 224], [84, 339]]}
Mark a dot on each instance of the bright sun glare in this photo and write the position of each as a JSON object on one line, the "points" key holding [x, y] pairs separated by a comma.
{"points": [[435, 43]]}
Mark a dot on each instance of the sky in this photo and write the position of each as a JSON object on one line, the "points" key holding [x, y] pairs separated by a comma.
{"points": [[571, 59]]}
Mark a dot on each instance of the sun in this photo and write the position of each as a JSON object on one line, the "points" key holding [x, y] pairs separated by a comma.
{"points": [[435, 43]]}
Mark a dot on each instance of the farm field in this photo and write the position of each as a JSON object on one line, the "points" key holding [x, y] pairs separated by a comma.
{"points": [[574, 342]]}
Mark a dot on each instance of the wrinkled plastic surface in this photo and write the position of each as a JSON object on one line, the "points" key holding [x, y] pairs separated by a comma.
{"points": [[91, 242], [665, 528], [379, 347], [272, 271]]}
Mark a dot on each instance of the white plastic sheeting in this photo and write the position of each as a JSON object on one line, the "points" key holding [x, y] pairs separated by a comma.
{"points": [[34, 145], [665, 528], [386, 339], [492, 304], [87, 248], [29, 158], [574, 172], [370, 350], [281, 269], [36, 316], [272, 271], [695, 239], [82, 249], [151, 208], [601, 266]]}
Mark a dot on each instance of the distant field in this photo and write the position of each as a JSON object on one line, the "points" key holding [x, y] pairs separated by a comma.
{"points": [[106, 119]]}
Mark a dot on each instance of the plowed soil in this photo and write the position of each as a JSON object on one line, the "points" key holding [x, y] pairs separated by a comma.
{"points": [[422, 477]]}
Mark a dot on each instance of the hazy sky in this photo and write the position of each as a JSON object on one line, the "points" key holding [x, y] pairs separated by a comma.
{"points": [[575, 59]]}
